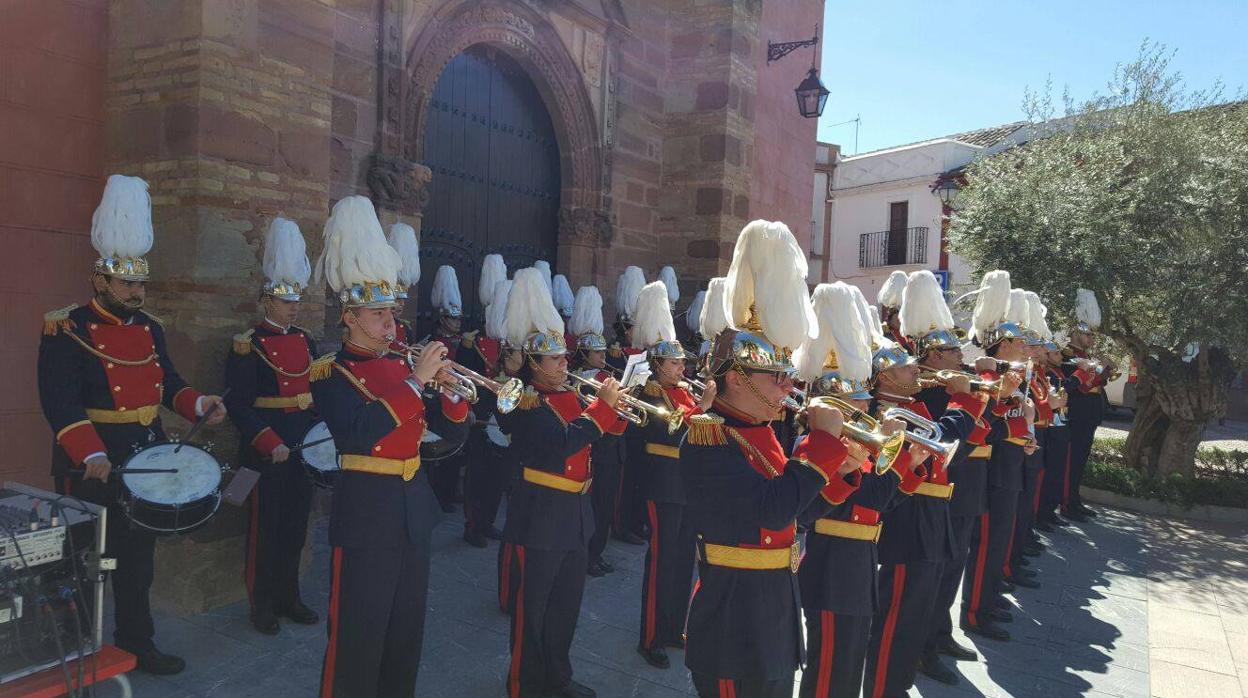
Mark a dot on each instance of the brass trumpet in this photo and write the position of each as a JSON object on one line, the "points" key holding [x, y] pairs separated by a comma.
{"points": [[926, 433], [635, 410], [1023, 366], [863, 429], [698, 388], [942, 376], [467, 380], [795, 401]]}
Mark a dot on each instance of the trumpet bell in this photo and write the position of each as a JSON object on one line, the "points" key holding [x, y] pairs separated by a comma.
{"points": [[509, 395]]}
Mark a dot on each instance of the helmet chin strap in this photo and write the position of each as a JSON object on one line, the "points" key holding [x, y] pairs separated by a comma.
{"points": [[388, 339], [118, 305], [773, 407]]}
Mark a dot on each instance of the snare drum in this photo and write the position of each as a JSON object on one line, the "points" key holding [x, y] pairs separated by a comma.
{"points": [[320, 462], [175, 502]]}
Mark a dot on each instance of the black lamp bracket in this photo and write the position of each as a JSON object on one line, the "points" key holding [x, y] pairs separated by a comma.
{"points": [[777, 50]]}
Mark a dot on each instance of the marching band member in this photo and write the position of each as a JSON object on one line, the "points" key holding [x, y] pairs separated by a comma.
{"points": [[990, 539], [607, 453], [549, 519], [668, 570], [1057, 441], [1085, 381], [445, 296], [630, 519], [486, 471], [403, 239], [270, 402], [838, 574], [103, 373], [384, 510], [743, 494], [1023, 542], [916, 540], [889, 299], [926, 318]]}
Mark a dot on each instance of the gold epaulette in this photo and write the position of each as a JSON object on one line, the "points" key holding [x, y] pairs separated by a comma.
{"points": [[706, 430], [56, 320], [529, 399], [321, 367], [467, 339], [615, 351], [242, 342], [653, 389]]}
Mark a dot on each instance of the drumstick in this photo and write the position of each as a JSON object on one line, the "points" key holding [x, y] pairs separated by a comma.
{"points": [[129, 471], [310, 444], [199, 423]]}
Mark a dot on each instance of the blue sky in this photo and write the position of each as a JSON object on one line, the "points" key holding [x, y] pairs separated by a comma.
{"points": [[916, 70]]}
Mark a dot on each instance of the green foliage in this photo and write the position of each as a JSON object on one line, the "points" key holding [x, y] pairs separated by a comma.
{"points": [[1141, 193], [1221, 477]]}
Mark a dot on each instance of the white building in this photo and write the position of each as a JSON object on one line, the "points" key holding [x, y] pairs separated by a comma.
{"points": [[881, 212]]}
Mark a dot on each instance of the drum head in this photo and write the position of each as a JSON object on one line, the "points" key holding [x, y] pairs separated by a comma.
{"points": [[324, 456], [496, 435], [198, 476]]}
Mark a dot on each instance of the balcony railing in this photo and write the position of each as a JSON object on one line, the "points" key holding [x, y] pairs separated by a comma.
{"points": [[892, 247]]}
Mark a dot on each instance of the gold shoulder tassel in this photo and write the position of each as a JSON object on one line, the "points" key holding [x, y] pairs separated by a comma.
{"points": [[467, 339], [615, 351], [653, 389], [529, 399], [242, 343], [321, 367], [56, 320], [706, 430]]}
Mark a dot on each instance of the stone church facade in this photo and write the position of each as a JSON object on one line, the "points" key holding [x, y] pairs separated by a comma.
{"points": [[593, 133]]}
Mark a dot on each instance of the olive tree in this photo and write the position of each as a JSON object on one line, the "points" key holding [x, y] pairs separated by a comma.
{"points": [[1140, 194]]}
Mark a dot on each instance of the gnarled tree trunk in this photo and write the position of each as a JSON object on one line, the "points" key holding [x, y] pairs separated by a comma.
{"points": [[1190, 393], [1148, 429]]}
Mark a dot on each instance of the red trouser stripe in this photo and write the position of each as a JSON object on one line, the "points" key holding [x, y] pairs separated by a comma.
{"points": [[727, 689], [1066, 481], [981, 557], [828, 623], [1035, 501], [517, 642], [504, 579], [890, 626], [1009, 549], [331, 651], [253, 534], [652, 574]]}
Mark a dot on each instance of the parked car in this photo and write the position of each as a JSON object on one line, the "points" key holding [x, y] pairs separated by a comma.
{"points": [[1120, 393]]}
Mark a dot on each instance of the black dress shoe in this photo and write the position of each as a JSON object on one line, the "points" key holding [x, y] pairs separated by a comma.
{"points": [[1090, 513], [1022, 562], [1025, 582], [1031, 550], [630, 538], [606, 566], [932, 668], [595, 569], [998, 615], [156, 662], [572, 689], [299, 613], [992, 631], [1075, 515], [476, 539], [950, 648], [1006, 586], [265, 622], [1056, 521], [1021, 574], [1045, 525], [494, 534], [655, 657]]}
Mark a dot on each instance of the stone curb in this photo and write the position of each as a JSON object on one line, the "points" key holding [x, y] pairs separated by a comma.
{"points": [[1202, 512]]}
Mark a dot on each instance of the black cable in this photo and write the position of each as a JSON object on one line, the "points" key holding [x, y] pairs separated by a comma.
{"points": [[59, 513], [82, 657], [60, 647]]}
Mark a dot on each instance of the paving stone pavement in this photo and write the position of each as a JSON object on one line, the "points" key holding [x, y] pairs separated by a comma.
{"points": [[1130, 606]]}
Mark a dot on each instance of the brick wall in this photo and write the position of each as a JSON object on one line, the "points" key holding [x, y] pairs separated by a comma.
{"points": [[51, 175], [784, 152]]}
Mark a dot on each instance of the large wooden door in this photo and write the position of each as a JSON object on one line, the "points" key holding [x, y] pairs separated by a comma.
{"points": [[898, 222], [491, 145]]}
